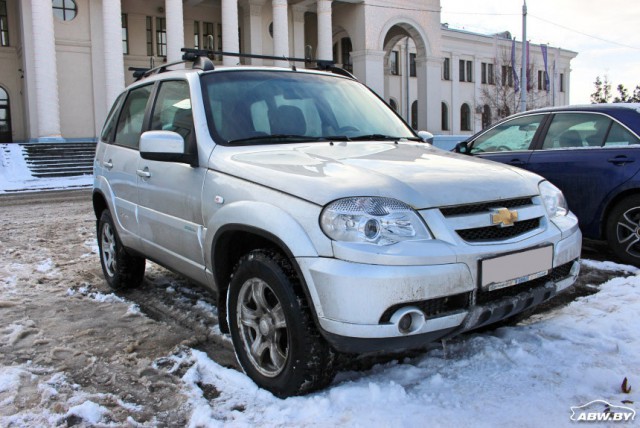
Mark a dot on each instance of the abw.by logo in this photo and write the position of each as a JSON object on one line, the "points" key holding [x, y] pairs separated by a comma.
{"points": [[601, 411]]}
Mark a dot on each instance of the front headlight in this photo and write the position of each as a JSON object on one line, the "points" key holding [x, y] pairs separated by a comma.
{"points": [[553, 200], [374, 220]]}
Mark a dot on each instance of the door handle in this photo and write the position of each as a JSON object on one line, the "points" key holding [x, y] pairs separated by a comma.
{"points": [[621, 160], [144, 173], [107, 164], [516, 162]]}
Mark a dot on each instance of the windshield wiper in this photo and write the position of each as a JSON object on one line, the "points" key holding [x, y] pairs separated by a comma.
{"points": [[275, 138], [377, 137]]}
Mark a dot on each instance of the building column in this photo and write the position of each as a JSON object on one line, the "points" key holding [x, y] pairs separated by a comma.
{"points": [[45, 71], [175, 29], [112, 50], [368, 67], [230, 40], [325, 31], [280, 31], [298, 31], [430, 83]]}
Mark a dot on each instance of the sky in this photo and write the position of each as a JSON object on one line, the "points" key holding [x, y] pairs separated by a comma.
{"points": [[604, 34]]}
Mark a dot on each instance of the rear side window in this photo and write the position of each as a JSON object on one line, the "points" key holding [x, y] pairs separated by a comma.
{"points": [[620, 136], [132, 117], [575, 130], [110, 123]]}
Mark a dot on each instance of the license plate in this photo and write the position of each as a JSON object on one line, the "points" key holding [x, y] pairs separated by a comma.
{"points": [[512, 269]]}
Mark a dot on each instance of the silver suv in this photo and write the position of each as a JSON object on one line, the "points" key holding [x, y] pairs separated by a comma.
{"points": [[319, 219]]}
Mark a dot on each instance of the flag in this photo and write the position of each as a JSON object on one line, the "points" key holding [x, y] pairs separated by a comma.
{"points": [[546, 67], [516, 81]]}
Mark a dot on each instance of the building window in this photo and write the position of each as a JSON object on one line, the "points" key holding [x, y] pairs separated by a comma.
{"points": [[196, 34], [393, 63], [507, 75], [465, 117], [219, 28], [125, 35], [445, 117], [446, 69], [207, 34], [347, 47], [149, 36], [65, 10], [414, 115], [486, 116], [490, 74], [161, 36], [393, 104], [4, 24], [412, 65], [5, 117], [540, 80], [483, 73], [466, 71], [561, 82]]}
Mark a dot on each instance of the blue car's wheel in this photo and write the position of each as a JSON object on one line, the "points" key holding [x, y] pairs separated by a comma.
{"points": [[623, 230]]}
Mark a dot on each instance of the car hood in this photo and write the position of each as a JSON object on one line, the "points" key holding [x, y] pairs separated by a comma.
{"points": [[415, 173]]}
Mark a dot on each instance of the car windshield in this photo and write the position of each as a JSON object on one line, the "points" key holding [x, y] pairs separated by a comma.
{"points": [[268, 107]]}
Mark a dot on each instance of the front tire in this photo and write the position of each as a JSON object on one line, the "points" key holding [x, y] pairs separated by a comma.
{"points": [[121, 269], [623, 230], [274, 337]]}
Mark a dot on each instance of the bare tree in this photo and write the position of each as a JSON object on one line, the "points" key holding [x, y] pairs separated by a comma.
{"points": [[501, 97]]}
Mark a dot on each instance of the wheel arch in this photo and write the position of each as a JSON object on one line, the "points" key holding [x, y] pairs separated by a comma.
{"points": [[99, 203]]}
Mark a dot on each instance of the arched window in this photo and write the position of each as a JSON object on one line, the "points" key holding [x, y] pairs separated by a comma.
{"points": [[414, 114], [65, 10], [486, 116], [465, 118], [445, 116], [5, 117], [393, 104]]}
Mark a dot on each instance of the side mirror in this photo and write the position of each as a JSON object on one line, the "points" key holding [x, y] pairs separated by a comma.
{"points": [[426, 136], [164, 146], [462, 147]]}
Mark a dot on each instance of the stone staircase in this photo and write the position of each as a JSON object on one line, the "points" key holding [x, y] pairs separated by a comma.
{"points": [[48, 160]]}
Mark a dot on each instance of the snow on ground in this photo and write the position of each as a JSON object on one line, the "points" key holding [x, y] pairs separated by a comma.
{"points": [[528, 375], [15, 175]]}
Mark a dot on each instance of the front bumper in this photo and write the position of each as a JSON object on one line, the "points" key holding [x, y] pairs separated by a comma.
{"points": [[356, 304]]}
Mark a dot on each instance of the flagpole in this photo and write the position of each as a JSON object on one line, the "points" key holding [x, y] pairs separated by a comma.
{"points": [[523, 74]]}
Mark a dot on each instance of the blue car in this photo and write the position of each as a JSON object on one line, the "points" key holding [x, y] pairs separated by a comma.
{"points": [[591, 152]]}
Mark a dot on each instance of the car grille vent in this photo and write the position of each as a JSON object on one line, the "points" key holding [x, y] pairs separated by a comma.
{"points": [[496, 233], [485, 206], [556, 274]]}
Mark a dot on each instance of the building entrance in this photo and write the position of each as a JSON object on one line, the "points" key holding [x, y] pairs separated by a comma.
{"points": [[5, 117]]}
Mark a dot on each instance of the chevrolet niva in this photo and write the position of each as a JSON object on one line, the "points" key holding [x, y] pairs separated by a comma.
{"points": [[318, 217]]}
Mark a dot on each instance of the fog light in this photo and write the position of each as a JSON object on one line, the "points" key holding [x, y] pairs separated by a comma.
{"points": [[405, 323]]}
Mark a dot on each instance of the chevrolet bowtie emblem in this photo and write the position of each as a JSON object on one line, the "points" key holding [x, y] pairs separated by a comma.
{"points": [[504, 217]]}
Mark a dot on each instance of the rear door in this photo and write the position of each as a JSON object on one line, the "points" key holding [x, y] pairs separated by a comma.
{"points": [[120, 159], [170, 193], [587, 155]]}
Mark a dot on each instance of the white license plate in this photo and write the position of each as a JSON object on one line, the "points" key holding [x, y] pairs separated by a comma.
{"points": [[516, 268]]}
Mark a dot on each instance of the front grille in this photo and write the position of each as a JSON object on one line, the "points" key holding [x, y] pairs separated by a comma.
{"points": [[432, 307], [556, 274], [496, 233], [485, 206]]}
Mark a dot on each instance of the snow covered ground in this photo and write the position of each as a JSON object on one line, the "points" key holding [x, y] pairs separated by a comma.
{"points": [[15, 175], [74, 354]]}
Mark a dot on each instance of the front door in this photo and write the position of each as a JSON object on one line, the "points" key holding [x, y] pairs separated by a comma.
{"points": [[5, 117]]}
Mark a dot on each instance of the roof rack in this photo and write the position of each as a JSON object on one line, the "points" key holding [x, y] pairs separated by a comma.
{"points": [[202, 59]]}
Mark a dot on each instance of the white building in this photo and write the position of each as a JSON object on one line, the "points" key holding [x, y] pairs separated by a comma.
{"points": [[63, 62]]}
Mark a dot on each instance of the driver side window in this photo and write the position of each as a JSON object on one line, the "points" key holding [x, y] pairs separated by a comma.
{"points": [[512, 135]]}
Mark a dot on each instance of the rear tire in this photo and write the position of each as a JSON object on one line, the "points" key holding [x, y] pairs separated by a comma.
{"points": [[623, 230], [275, 339], [121, 269]]}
